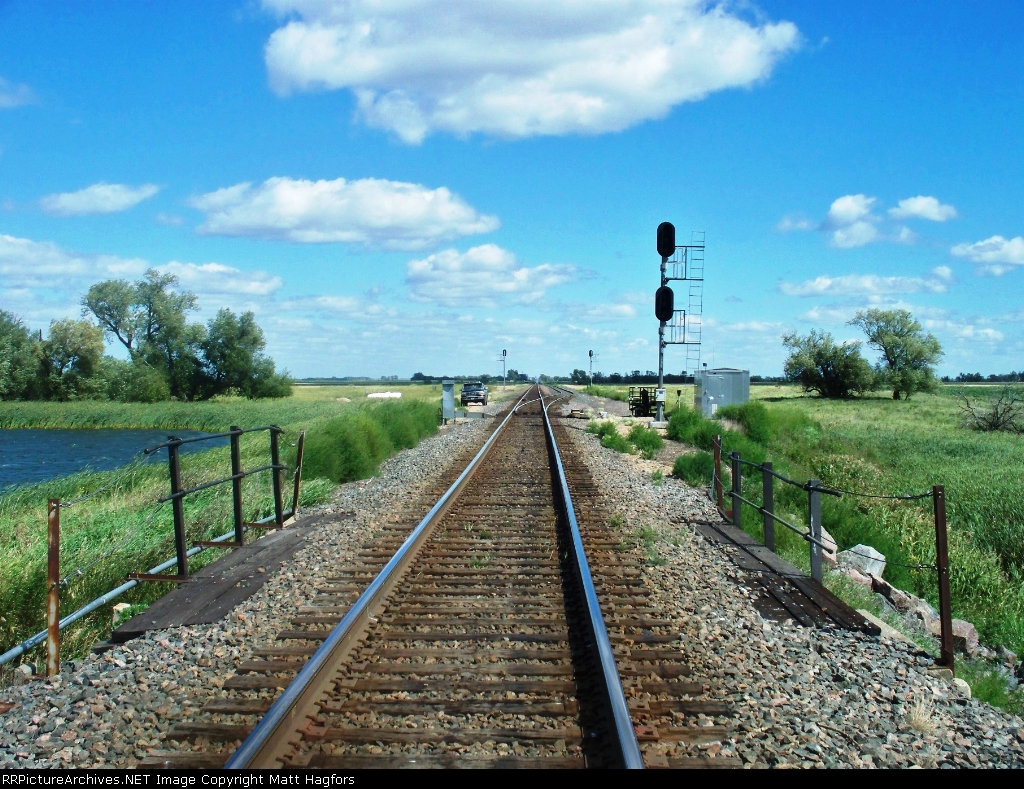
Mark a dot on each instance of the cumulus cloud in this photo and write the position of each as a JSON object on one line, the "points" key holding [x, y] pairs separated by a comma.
{"points": [[99, 198], [922, 207], [371, 211], [519, 69], [484, 276], [851, 221], [995, 255], [867, 285], [42, 264], [12, 95], [216, 278]]}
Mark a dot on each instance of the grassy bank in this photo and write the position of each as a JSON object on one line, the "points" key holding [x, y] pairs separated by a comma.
{"points": [[122, 530], [880, 446]]}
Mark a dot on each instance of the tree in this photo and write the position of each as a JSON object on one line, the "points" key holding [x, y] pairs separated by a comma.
{"points": [[818, 364], [133, 382], [19, 362], [418, 377], [70, 360], [233, 359], [150, 320], [579, 377], [908, 354]]}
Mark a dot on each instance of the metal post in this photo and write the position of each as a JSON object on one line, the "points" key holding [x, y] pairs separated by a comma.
{"points": [[275, 460], [737, 518], [298, 473], [768, 504], [942, 563], [814, 509], [660, 414], [716, 444], [236, 483], [177, 505], [53, 596]]}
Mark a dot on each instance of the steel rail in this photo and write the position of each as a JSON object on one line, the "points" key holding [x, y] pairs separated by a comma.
{"points": [[256, 751], [625, 738]]}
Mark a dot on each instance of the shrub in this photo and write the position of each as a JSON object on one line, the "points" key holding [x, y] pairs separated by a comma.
{"points": [[646, 440], [749, 450], [696, 469], [352, 445], [754, 417], [617, 442], [682, 423], [819, 365], [133, 382]]}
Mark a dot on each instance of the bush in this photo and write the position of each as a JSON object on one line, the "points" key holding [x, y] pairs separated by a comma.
{"points": [[682, 423], [819, 365], [129, 382], [616, 442], [754, 417], [646, 440], [353, 445], [696, 469]]}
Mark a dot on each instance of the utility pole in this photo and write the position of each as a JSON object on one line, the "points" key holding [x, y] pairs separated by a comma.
{"points": [[591, 369]]}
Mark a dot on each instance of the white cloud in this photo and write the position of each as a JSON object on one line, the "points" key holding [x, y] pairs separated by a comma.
{"points": [[216, 278], [600, 313], [851, 221], [849, 209], [865, 285], [856, 235], [42, 264], [922, 207], [794, 222], [371, 211], [484, 276], [99, 198], [519, 69], [12, 95], [997, 255]]}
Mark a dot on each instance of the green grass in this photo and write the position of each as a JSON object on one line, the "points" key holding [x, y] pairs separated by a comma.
{"points": [[876, 445], [648, 442], [640, 439], [122, 530], [990, 686], [609, 392]]}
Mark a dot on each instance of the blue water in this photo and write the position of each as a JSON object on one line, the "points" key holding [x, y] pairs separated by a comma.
{"points": [[33, 455]]}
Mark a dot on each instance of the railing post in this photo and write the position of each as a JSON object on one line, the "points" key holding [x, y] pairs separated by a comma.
{"points": [[716, 444], [275, 460], [942, 563], [298, 472], [236, 482], [53, 596], [814, 510], [177, 505], [768, 504], [737, 518]]}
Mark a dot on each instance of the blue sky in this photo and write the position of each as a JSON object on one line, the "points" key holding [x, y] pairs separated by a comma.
{"points": [[393, 187]]}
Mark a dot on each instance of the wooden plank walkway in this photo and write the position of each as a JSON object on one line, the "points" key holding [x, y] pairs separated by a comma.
{"points": [[214, 591], [782, 590]]}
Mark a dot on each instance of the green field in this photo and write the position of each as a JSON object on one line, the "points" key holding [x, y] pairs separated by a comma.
{"points": [[122, 530]]}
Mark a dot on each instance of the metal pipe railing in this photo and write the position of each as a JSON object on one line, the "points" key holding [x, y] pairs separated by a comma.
{"points": [[113, 594]]}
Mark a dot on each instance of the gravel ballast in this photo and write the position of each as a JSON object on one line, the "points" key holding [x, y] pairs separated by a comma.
{"points": [[110, 710], [802, 697]]}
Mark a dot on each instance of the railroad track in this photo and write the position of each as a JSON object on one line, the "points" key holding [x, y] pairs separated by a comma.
{"points": [[509, 628]]}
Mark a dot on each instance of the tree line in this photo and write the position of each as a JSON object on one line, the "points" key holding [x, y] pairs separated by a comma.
{"points": [[838, 370], [168, 357]]}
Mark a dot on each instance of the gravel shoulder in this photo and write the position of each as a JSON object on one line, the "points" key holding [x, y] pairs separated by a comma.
{"points": [[802, 697], [110, 710]]}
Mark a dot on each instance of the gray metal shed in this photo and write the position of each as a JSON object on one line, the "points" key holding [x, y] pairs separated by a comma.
{"points": [[720, 387]]}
